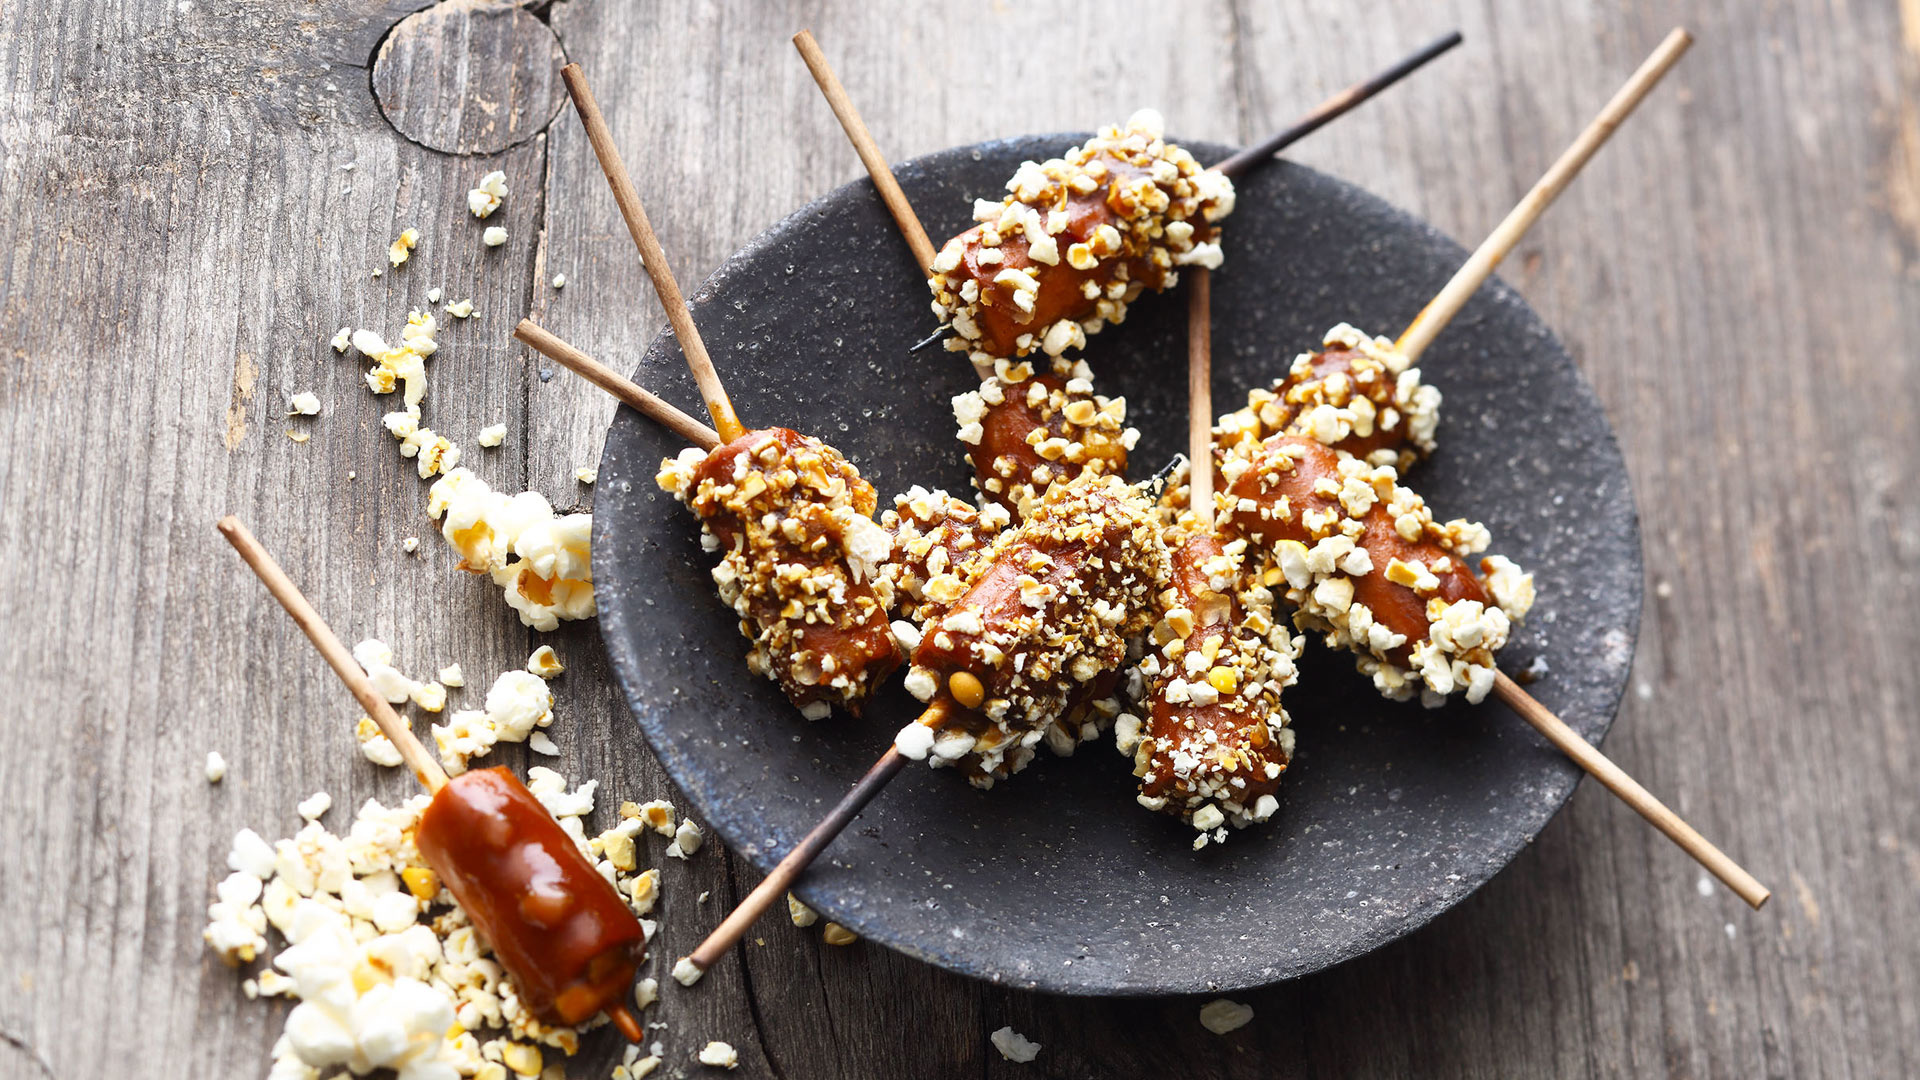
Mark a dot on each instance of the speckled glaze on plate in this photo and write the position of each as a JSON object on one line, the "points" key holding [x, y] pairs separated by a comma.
{"points": [[1056, 880]]}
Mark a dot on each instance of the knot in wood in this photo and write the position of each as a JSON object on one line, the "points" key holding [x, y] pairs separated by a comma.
{"points": [[470, 76]]}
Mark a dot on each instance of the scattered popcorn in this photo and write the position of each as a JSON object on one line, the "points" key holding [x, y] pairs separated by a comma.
{"points": [[539, 743], [485, 199], [1014, 1046], [686, 972], [686, 840], [719, 1055], [374, 746], [494, 236], [545, 663], [461, 309], [540, 561], [835, 934], [342, 339], [298, 436], [518, 702], [374, 656], [304, 404], [402, 247], [559, 281], [645, 993], [451, 675], [431, 696], [492, 435], [434, 294], [315, 805], [802, 915], [586, 474], [1221, 1016], [216, 767], [656, 815], [410, 545]]}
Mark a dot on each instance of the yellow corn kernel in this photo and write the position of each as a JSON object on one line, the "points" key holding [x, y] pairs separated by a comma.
{"points": [[421, 882], [1224, 679], [966, 689]]}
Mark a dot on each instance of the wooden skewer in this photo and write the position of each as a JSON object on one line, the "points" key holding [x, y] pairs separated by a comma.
{"points": [[652, 256], [425, 769], [541, 339], [1200, 393], [1630, 792], [1505, 236], [869, 151]]}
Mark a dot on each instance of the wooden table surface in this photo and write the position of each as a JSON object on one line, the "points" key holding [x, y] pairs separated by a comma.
{"points": [[194, 193]]}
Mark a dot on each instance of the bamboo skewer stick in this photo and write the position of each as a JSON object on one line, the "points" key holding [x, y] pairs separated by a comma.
{"points": [[337, 656], [653, 257], [1487, 257], [541, 339], [1630, 792], [425, 768], [1200, 394], [869, 151]]}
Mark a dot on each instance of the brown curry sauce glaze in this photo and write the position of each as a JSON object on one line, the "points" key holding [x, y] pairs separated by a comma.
{"points": [[563, 933], [855, 639], [1007, 458]]}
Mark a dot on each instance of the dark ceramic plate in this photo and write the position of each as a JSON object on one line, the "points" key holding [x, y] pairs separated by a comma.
{"points": [[1055, 879]]}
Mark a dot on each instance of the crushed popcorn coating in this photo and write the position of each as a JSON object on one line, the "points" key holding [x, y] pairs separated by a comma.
{"points": [[801, 562], [935, 535], [1076, 240], [1025, 432], [1359, 395], [1039, 620]]}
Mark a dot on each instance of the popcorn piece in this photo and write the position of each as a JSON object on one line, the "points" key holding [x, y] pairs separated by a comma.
{"points": [[374, 746], [835, 934], [1014, 1046], [216, 767], [434, 294], [586, 474], [451, 675], [552, 577], [402, 247], [431, 696], [1221, 1016], [559, 281], [315, 805], [494, 236], [685, 972], [719, 1055], [802, 915], [492, 435], [374, 656], [342, 339], [545, 663], [303, 404], [410, 545], [461, 309], [686, 840], [486, 198]]}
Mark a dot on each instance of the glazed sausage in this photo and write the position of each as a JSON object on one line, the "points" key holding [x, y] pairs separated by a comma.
{"points": [[1024, 432], [1358, 395], [1076, 240], [1216, 738], [1364, 561], [558, 927], [802, 562], [1047, 610]]}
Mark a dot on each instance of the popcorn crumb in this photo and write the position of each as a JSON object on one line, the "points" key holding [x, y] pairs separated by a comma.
{"points": [[686, 972], [802, 915], [315, 805], [485, 199], [216, 767], [303, 404], [410, 545], [492, 435], [1221, 1016], [451, 675], [494, 236], [686, 840], [539, 743], [461, 309], [719, 1055], [645, 993], [431, 696], [559, 281], [545, 663], [835, 934], [342, 339], [298, 436], [656, 815], [402, 247], [586, 474], [434, 294], [1014, 1046]]}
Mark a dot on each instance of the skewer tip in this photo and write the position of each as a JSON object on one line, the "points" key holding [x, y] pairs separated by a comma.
{"points": [[628, 1023]]}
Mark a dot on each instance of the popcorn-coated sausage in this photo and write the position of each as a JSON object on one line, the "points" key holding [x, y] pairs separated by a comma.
{"points": [[1077, 239], [1023, 435], [802, 562], [1358, 395], [559, 928]]}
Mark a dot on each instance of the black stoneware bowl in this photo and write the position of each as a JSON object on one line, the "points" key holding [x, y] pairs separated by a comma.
{"points": [[1056, 879]]}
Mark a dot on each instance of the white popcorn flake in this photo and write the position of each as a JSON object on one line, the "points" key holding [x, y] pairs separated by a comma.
{"points": [[914, 741], [303, 404], [686, 972], [559, 281], [1014, 1046], [492, 435], [586, 474], [342, 339], [686, 840], [315, 805], [461, 309], [802, 915], [1221, 1016], [494, 236], [540, 743], [402, 247], [719, 1055], [451, 675], [410, 545], [431, 696], [482, 201], [434, 294], [545, 662], [216, 767]]}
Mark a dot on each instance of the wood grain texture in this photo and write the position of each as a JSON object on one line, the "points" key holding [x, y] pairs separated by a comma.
{"points": [[1738, 273]]}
